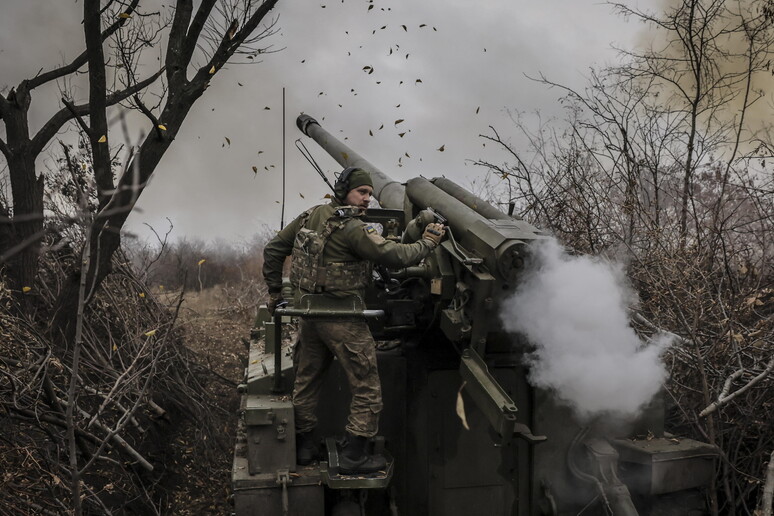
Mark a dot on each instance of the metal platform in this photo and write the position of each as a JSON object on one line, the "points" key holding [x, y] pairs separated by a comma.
{"points": [[329, 472]]}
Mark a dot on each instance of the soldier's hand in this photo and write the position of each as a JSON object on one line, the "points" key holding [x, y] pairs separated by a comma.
{"points": [[434, 232], [275, 299]]}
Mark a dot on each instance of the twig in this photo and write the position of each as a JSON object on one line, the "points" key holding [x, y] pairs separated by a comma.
{"points": [[147, 112], [71, 108]]}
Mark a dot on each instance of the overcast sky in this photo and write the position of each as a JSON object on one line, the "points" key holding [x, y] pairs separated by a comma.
{"points": [[472, 60]]}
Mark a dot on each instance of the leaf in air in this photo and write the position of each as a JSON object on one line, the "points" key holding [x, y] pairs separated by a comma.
{"points": [[478, 109], [404, 28], [345, 156], [26, 289], [368, 69], [417, 81], [441, 148], [102, 139], [124, 16], [398, 121], [212, 70], [260, 152], [141, 295], [381, 127], [255, 169], [162, 127], [302, 195], [407, 155], [228, 140], [383, 27], [201, 262], [150, 333], [327, 196], [460, 408], [266, 108], [240, 83], [422, 25], [370, 133], [370, 7], [401, 134]]}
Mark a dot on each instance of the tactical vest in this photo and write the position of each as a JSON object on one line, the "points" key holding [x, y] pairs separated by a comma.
{"points": [[308, 270]]}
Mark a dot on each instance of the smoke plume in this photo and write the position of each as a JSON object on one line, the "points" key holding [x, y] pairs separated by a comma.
{"points": [[573, 310]]}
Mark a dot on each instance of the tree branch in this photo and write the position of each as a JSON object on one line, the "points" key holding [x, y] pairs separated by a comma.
{"points": [[176, 66], [147, 112], [100, 149], [64, 115], [83, 57], [722, 400], [78, 118], [229, 44], [5, 150], [195, 30]]}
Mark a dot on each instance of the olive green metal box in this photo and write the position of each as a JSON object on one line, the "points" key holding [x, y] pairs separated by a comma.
{"points": [[271, 438]]}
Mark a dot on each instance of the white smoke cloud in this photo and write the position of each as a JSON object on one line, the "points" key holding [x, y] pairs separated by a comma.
{"points": [[573, 310]]}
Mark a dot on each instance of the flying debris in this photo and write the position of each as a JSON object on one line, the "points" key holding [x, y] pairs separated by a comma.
{"points": [[441, 148]]}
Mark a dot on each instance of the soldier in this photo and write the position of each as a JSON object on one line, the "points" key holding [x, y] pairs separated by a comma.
{"points": [[332, 253]]}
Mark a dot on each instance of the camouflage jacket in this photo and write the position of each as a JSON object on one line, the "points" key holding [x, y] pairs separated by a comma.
{"points": [[354, 241]]}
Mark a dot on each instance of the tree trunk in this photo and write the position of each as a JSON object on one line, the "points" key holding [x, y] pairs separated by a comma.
{"points": [[26, 227]]}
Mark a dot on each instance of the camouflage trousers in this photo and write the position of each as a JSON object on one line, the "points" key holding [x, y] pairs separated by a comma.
{"points": [[354, 347]]}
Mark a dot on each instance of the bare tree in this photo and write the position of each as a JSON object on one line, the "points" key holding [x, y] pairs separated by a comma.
{"points": [[658, 160], [199, 42]]}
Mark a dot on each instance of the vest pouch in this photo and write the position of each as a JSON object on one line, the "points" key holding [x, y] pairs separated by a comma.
{"points": [[305, 260], [347, 275]]}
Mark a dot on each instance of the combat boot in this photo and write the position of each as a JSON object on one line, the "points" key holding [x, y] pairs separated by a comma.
{"points": [[354, 458], [306, 449]]}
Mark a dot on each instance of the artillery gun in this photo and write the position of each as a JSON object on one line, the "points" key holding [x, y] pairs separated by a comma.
{"points": [[523, 453]]}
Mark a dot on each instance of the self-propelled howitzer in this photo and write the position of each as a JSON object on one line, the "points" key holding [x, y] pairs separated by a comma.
{"points": [[468, 433]]}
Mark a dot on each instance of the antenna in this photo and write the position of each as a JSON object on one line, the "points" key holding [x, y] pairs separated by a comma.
{"points": [[282, 214], [308, 155]]}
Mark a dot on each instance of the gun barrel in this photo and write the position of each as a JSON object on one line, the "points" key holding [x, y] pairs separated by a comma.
{"points": [[470, 200], [387, 191]]}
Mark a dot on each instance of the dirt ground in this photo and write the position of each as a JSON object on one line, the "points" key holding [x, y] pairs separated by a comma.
{"points": [[200, 471]]}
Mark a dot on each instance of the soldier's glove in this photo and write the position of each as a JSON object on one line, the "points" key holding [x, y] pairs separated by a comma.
{"points": [[275, 299], [434, 232]]}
